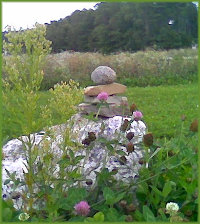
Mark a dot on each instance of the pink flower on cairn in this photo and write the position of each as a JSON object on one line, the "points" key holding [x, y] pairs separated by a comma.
{"points": [[82, 208], [137, 115], [103, 96]]}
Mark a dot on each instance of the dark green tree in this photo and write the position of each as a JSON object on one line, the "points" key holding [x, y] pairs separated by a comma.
{"points": [[126, 26]]}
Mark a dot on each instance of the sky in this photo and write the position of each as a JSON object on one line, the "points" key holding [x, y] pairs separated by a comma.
{"points": [[26, 14]]}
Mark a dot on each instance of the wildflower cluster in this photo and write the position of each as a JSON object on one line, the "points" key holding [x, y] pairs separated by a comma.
{"points": [[82, 208], [103, 96]]}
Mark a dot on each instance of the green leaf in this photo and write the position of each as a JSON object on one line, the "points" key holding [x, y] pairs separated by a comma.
{"points": [[108, 195], [102, 140], [8, 173], [157, 191], [71, 153], [164, 218], [91, 117], [74, 174], [99, 216], [148, 214], [143, 188], [78, 158], [112, 215], [118, 197], [103, 176], [167, 189], [138, 216], [101, 207], [75, 195], [7, 181], [17, 182], [120, 152], [110, 147]]}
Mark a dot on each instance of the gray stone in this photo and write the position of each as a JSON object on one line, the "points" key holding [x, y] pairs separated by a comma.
{"points": [[111, 99], [110, 111], [103, 75], [79, 131]]}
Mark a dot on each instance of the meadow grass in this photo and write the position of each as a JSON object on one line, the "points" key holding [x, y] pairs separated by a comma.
{"points": [[161, 106], [142, 68]]}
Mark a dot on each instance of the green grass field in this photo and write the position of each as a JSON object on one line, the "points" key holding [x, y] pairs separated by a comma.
{"points": [[162, 106]]}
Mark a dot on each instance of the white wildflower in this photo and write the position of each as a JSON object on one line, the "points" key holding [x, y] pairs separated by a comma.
{"points": [[24, 216], [172, 207]]}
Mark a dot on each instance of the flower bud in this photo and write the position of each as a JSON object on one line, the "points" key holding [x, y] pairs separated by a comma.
{"points": [[125, 125], [130, 147], [129, 218], [183, 117], [115, 170], [133, 108], [148, 139], [171, 153], [86, 141], [131, 208], [194, 126], [188, 213], [195, 150], [141, 161], [189, 179], [91, 136], [123, 204], [130, 135]]}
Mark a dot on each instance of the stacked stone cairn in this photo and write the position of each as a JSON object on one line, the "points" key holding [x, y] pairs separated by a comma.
{"points": [[103, 78]]}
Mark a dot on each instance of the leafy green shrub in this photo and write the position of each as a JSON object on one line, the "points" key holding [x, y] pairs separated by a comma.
{"points": [[63, 100], [21, 105], [24, 73], [170, 177], [22, 110]]}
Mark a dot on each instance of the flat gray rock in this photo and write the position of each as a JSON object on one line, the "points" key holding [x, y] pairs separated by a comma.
{"points": [[103, 75], [110, 111], [111, 99]]}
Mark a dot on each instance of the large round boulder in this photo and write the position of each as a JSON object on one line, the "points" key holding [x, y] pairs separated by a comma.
{"points": [[103, 75]]}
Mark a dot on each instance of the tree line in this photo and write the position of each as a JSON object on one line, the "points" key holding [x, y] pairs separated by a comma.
{"points": [[126, 26]]}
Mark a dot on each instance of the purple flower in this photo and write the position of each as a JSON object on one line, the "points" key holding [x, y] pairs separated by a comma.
{"points": [[137, 115], [103, 96], [82, 208]]}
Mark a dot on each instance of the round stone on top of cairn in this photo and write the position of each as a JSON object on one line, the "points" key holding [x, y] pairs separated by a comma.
{"points": [[104, 78], [103, 75]]}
